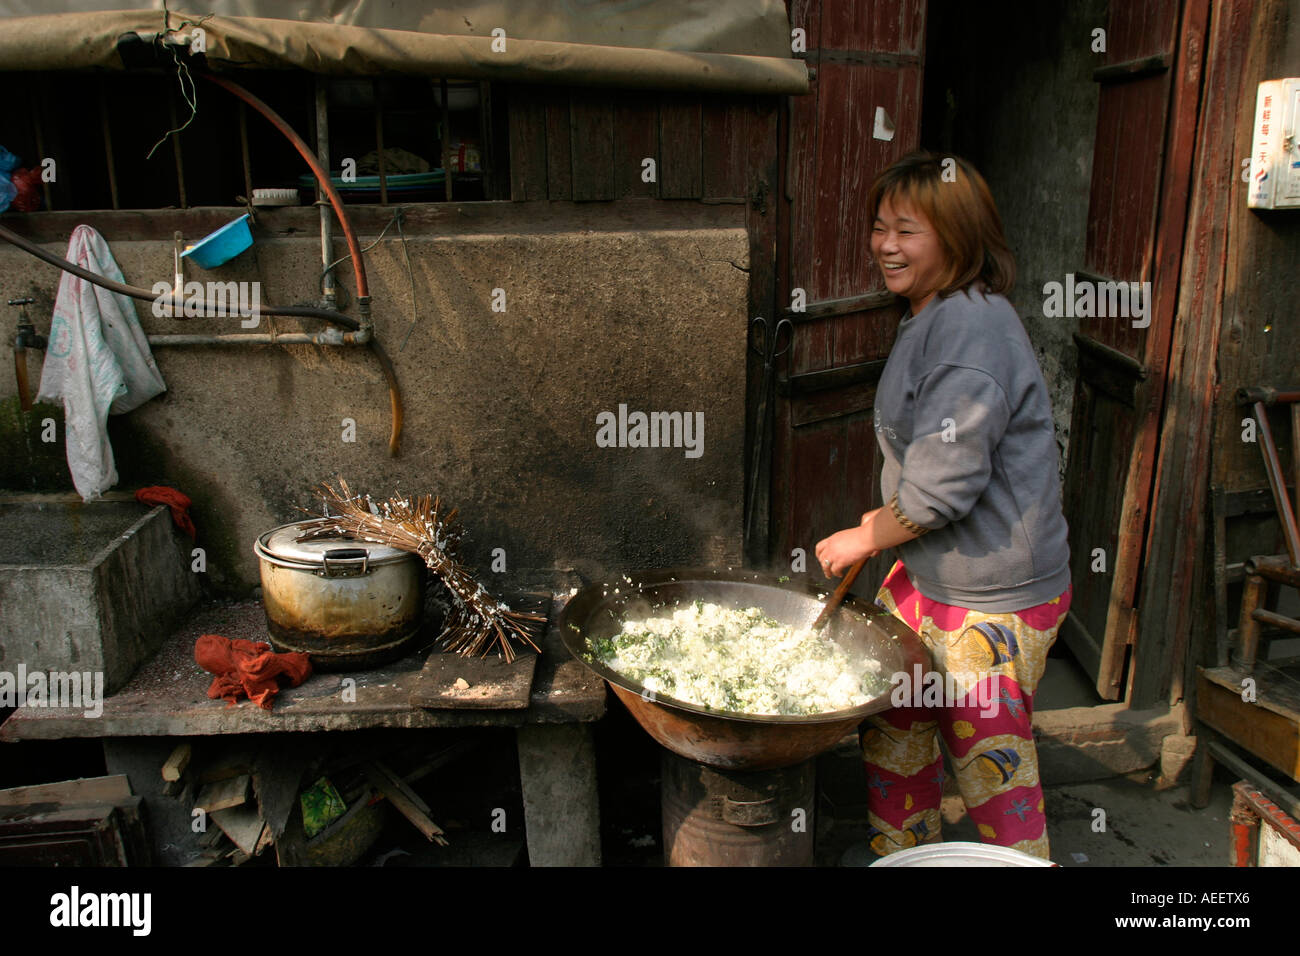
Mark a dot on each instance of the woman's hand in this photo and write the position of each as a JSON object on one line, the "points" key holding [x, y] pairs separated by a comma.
{"points": [[879, 530], [844, 549]]}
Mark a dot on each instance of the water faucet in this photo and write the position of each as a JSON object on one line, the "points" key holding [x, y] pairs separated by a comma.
{"points": [[24, 340]]}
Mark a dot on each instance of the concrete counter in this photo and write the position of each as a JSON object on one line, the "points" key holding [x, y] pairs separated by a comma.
{"points": [[167, 698], [168, 695]]}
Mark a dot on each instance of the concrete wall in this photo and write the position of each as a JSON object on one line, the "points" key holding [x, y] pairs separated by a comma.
{"points": [[1009, 86], [635, 302]]}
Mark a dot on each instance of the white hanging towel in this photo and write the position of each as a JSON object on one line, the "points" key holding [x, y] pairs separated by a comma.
{"points": [[98, 361]]}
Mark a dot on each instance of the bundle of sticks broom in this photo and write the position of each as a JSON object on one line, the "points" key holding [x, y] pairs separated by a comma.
{"points": [[478, 622]]}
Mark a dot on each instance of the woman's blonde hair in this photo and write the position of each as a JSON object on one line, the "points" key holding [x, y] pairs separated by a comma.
{"points": [[961, 210]]}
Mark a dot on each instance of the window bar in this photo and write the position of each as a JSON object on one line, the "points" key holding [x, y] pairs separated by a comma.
{"points": [[328, 286], [485, 137], [39, 130], [176, 147], [243, 149], [108, 145], [446, 138], [379, 142]]}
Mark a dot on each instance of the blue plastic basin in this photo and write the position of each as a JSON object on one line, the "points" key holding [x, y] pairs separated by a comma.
{"points": [[218, 248]]}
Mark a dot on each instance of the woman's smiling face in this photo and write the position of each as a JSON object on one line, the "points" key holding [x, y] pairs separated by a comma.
{"points": [[908, 251]]}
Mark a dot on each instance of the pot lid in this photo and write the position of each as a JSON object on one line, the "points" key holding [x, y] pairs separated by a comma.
{"points": [[283, 543]]}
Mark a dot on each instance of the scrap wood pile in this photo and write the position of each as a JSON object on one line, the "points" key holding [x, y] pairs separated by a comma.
{"points": [[308, 809], [93, 821], [478, 622]]}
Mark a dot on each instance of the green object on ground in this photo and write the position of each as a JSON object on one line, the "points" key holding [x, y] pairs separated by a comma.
{"points": [[321, 806]]}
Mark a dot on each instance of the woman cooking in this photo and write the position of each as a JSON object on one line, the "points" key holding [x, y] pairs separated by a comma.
{"points": [[970, 473]]}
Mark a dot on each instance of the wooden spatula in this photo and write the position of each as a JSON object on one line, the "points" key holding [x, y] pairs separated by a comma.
{"points": [[838, 597]]}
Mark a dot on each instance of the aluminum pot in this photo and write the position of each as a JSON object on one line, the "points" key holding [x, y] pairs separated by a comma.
{"points": [[349, 604]]}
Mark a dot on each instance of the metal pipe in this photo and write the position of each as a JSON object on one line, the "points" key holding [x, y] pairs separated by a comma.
{"points": [[321, 174], [446, 138], [176, 149], [487, 148], [363, 331], [108, 145], [379, 142], [243, 152], [290, 311], [39, 130], [328, 287], [1266, 395], [20, 374], [26, 338], [327, 337], [354, 247]]}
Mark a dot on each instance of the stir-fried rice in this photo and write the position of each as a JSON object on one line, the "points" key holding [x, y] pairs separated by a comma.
{"points": [[740, 661]]}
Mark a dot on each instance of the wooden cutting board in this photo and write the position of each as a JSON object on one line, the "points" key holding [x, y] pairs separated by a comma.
{"points": [[493, 684]]}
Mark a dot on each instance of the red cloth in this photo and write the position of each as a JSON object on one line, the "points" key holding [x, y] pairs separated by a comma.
{"points": [[179, 503], [247, 669], [28, 184]]}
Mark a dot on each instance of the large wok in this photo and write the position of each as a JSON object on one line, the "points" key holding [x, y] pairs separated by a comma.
{"points": [[729, 740]]}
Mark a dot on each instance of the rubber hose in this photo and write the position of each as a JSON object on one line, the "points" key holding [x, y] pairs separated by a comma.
{"points": [[354, 247], [290, 311]]}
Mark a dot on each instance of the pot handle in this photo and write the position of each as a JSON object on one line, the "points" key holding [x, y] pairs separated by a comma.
{"points": [[349, 557]]}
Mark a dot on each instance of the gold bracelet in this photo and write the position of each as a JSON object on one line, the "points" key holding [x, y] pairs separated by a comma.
{"points": [[907, 523]]}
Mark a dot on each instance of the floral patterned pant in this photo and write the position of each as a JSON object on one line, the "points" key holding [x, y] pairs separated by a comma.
{"points": [[993, 662]]}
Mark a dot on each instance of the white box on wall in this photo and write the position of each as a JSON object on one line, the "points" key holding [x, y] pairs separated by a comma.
{"points": [[1275, 147]]}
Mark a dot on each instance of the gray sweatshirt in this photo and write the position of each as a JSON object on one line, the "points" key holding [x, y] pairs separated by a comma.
{"points": [[965, 429]]}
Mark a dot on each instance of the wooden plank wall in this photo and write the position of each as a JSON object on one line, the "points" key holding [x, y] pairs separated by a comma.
{"points": [[1159, 653], [590, 145], [585, 144], [1146, 118], [1127, 165], [860, 57], [1260, 339], [1178, 605]]}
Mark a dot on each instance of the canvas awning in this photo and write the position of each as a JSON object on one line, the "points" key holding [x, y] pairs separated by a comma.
{"points": [[740, 46]]}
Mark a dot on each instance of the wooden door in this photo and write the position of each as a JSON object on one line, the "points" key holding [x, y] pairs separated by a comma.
{"points": [[1136, 219], [862, 58]]}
